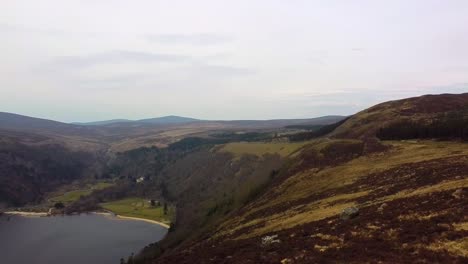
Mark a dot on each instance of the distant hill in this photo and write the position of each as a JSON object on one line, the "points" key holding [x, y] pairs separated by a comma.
{"points": [[245, 124], [102, 123], [169, 120], [9, 121], [15, 121], [157, 120]]}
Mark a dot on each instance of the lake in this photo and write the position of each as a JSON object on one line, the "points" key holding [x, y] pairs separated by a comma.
{"points": [[77, 239]]}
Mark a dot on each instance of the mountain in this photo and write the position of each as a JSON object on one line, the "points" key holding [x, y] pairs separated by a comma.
{"points": [[169, 120], [165, 120], [102, 123], [9, 121], [179, 120], [36, 152], [347, 196], [388, 184]]}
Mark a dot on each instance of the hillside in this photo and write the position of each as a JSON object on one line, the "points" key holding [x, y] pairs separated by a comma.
{"points": [[39, 155], [14, 122], [352, 198], [421, 109], [28, 169]]}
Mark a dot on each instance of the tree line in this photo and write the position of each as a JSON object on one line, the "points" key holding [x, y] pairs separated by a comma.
{"points": [[452, 125], [322, 131]]}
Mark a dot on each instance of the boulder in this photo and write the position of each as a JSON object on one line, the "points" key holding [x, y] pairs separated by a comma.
{"points": [[349, 213], [382, 207], [458, 194], [268, 240]]}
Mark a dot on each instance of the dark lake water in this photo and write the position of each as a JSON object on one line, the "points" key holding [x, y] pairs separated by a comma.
{"points": [[79, 239]]}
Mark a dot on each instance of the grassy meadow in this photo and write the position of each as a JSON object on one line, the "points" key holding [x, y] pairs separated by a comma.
{"points": [[140, 208]]}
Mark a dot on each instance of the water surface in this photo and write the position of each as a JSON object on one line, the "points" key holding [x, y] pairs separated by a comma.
{"points": [[78, 239]]}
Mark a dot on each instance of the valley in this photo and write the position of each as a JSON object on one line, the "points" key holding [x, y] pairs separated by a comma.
{"points": [[325, 190]]}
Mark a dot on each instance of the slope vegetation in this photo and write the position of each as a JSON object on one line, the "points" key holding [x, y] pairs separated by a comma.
{"points": [[408, 199]]}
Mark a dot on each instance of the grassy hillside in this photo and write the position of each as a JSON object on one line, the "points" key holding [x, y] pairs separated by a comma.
{"points": [[411, 200], [408, 198]]}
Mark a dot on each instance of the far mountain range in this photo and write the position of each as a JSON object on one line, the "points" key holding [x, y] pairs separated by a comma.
{"points": [[173, 119]]}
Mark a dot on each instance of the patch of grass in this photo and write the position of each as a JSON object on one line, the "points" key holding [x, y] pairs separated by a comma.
{"points": [[461, 226], [457, 247], [140, 208], [259, 148], [71, 196], [443, 186]]}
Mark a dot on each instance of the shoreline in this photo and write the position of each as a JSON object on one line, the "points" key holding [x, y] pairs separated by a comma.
{"points": [[121, 217], [108, 214], [22, 213], [142, 219]]}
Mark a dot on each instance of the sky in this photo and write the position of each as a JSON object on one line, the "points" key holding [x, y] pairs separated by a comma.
{"points": [[88, 60]]}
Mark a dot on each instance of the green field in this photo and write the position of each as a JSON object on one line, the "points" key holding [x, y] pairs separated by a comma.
{"points": [[140, 208], [71, 196]]}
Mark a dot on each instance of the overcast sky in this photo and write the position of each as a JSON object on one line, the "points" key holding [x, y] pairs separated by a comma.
{"points": [[101, 59]]}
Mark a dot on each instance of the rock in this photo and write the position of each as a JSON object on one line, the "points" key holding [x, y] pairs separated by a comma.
{"points": [[382, 207], [458, 194], [286, 261], [268, 240], [349, 213]]}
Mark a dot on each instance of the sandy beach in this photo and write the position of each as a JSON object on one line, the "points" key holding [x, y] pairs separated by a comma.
{"points": [[121, 217], [26, 213], [109, 214], [142, 219]]}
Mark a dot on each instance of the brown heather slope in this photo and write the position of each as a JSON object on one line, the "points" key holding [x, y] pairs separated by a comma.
{"points": [[412, 198]]}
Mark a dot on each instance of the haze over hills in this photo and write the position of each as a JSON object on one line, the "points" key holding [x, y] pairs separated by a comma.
{"points": [[170, 120], [157, 120]]}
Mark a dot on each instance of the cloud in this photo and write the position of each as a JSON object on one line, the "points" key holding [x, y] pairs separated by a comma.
{"points": [[357, 49], [222, 70], [202, 39], [116, 57], [114, 82], [10, 28], [189, 39]]}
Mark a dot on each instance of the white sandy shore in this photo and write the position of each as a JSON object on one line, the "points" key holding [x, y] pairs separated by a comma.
{"points": [[98, 213], [111, 214], [142, 219], [26, 213]]}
